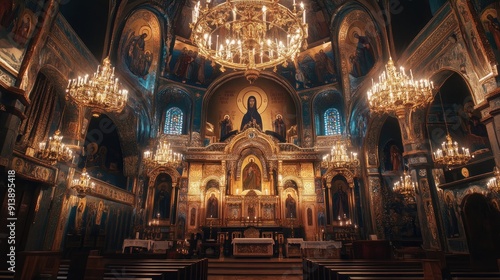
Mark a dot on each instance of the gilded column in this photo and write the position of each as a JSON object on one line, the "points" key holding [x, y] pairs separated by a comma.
{"points": [[416, 152]]}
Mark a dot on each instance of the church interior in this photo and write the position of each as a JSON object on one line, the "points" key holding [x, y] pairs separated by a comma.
{"points": [[231, 130]]}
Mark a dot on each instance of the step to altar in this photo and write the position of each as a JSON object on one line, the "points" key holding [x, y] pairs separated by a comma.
{"points": [[254, 268]]}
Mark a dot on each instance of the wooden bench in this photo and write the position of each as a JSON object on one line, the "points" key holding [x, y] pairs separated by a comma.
{"points": [[125, 266], [346, 275], [383, 278], [320, 269], [329, 269], [475, 275], [33, 264]]}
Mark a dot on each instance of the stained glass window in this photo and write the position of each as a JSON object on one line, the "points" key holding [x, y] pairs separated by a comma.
{"points": [[173, 121], [332, 122]]}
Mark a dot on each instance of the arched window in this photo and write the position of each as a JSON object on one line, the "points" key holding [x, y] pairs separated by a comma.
{"points": [[332, 121], [173, 121]]}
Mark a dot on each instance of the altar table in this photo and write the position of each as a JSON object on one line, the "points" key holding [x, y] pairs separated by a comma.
{"points": [[141, 243], [293, 246], [253, 247], [161, 246], [321, 249]]}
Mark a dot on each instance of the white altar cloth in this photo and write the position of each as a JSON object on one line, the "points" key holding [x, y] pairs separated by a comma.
{"points": [[142, 243], [161, 246]]}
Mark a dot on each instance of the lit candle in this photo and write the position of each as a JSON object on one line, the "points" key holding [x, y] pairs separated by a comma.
{"points": [[303, 12]]}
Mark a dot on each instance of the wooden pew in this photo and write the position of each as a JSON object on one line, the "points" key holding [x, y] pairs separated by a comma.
{"points": [[33, 264], [99, 267], [320, 269], [327, 269], [475, 275], [386, 274]]}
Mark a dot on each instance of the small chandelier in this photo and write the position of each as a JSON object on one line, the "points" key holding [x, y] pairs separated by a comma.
{"points": [[339, 158], [100, 92], [396, 90], [82, 185], [249, 35], [450, 154], [406, 187], [494, 183], [54, 150], [162, 156]]}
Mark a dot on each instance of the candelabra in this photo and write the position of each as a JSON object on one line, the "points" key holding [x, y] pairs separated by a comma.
{"points": [[100, 92], [494, 183], [339, 158], [450, 154], [54, 150], [344, 221], [396, 90], [83, 185], [249, 35], [406, 187], [162, 156]]}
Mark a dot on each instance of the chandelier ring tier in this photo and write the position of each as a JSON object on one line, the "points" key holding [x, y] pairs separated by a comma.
{"points": [[249, 35], [163, 155], [396, 90], [450, 155], [100, 92]]}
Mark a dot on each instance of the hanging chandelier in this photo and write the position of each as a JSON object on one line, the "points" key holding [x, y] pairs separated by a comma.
{"points": [[54, 150], [450, 154], [396, 90], [83, 185], [162, 156], [340, 158], [406, 187], [494, 183], [100, 92], [249, 35]]}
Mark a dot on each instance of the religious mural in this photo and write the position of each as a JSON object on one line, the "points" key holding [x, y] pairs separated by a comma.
{"points": [[315, 67], [94, 221], [17, 25], [491, 24], [139, 46], [162, 197], [103, 156], [358, 125], [359, 47], [237, 106], [340, 198], [186, 66], [251, 176], [473, 43]]}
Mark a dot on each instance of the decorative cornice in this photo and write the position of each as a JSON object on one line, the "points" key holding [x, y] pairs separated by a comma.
{"points": [[33, 169]]}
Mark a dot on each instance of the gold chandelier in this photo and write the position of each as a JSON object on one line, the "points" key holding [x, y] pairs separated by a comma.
{"points": [[450, 154], [494, 183], [54, 150], [249, 35], [162, 156], [100, 92], [83, 185], [339, 158], [405, 185], [396, 90]]}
